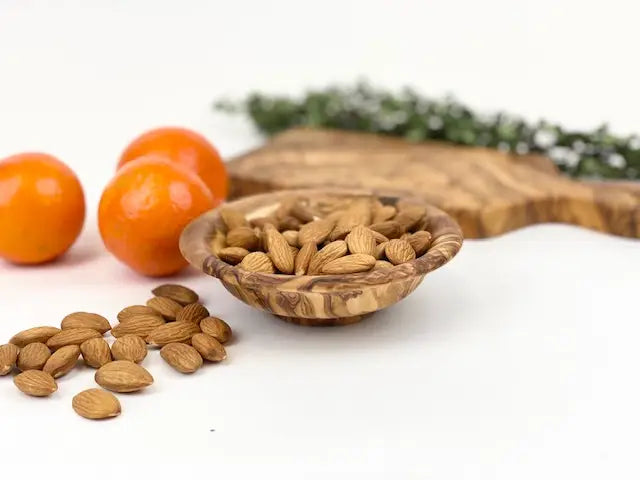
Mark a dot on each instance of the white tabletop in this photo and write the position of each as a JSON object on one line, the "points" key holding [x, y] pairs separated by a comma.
{"points": [[516, 361]]}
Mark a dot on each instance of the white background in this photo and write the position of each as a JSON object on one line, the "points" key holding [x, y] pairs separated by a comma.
{"points": [[518, 360]]}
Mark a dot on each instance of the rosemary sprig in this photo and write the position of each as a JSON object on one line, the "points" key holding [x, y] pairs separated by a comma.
{"points": [[594, 154]]}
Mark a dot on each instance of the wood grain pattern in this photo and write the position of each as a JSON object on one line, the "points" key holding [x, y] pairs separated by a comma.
{"points": [[488, 192], [319, 299]]}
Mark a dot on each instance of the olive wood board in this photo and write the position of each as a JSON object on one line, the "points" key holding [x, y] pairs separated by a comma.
{"points": [[487, 191]]}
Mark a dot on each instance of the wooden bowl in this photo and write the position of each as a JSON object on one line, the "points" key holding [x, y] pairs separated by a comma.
{"points": [[318, 299]]}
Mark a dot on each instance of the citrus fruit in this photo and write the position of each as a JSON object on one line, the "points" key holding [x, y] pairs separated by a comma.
{"points": [[144, 209], [187, 148], [41, 208]]}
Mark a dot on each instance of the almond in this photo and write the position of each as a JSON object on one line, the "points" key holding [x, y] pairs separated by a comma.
{"points": [[384, 213], [133, 311], [409, 216], [361, 240], [382, 265], [233, 218], [35, 383], [177, 293], [405, 236], [96, 352], [304, 256], [355, 263], [96, 404], [390, 228], [86, 320], [330, 252], [141, 325], [129, 347], [233, 255], [380, 238], [291, 236], [62, 361], [217, 328], [208, 347], [123, 376], [8, 358], [399, 251], [257, 262], [33, 356], [262, 221], [184, 358], [279, 250], [420, 242], [165, 306], [289, 223], [358, 214], [173, 333], [192, 313], [379, 253], [301, 212], [33, 335], [316, 232], [218, 242], [243, 237], [72, 336]]}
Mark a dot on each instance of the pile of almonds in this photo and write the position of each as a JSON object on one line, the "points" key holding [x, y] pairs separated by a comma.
{"points": [[173, 320], [357, 236]]}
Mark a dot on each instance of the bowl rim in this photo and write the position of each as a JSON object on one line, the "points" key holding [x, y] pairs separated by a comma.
{"points": [[195, 246]]}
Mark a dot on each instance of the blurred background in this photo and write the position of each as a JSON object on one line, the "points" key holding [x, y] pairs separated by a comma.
{"points": [[80, 79]]}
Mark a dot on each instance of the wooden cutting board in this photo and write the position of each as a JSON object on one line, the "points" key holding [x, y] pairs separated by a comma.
{"points": [[487, 191]]}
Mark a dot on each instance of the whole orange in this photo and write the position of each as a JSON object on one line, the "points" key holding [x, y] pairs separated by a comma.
{"points": [[187, 148], [41, 208], [144, 209]]}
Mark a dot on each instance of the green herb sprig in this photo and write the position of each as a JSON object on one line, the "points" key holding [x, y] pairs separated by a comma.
{"points": [[594, 154]]}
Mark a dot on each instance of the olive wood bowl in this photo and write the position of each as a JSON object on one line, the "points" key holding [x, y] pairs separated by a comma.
{"points": [[318, 300]]}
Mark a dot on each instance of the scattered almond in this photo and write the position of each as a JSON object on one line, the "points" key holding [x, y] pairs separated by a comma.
{"points": [[279, 250], [304, 256], [33, 335], [184, 358], [8, 358], [217, 328], [96, 352], [141, 325], [33, 356], [257, 262], [233, 218], [35, 383], [129, 347], [72, 336], [330, 252], [192, 313], [233, 255], [208, 347], [177, 293], [399, 251], [390, 228], [165, 306], [86, 320], [361, 240], [123, 376], [96, 404], [62, 361], [420, 242], [243, 237], [133, 311], [316, 232], [355, 263], [174, 332], [291, 236]]}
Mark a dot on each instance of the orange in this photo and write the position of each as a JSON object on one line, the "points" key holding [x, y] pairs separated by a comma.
{"points": [[144, 209], [41, 208], [187, 148]]}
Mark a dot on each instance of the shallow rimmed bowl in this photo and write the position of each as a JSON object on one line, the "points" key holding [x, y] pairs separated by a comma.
{"points": [[319, 299]]}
